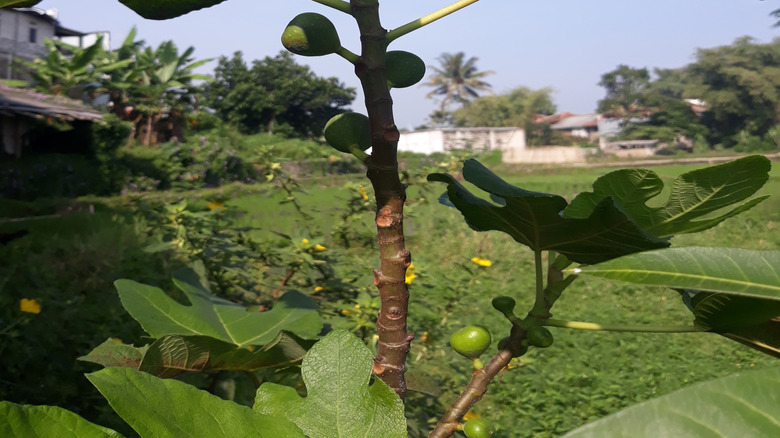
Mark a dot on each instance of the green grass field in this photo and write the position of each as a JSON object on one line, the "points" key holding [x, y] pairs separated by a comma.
{"points": [[72, 261]]}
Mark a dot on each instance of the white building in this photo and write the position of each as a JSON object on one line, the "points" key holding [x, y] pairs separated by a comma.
{"points": [[428, 141], [22, 32]]}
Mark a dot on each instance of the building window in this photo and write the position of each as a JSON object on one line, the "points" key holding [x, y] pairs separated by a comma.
{"points": [[33, 35]]}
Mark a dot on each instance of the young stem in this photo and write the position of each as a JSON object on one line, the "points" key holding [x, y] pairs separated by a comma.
{"points": [[539, 310], [393, 345], [336, 4], [428, 19], [577, 325]]}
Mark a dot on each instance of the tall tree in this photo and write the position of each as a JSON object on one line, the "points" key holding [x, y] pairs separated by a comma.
{"points": [[740, 84], [164, 88], [625, 88], [276, 94], [70, 70], [457, 79]]}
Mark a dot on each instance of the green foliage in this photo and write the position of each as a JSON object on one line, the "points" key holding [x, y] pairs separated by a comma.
{"points": [[457, 79], [518, 108], [625, 88], [533, 219], [743, 404], [693, 195], [341, 400], [157, 407], [211, 316], [275, 95], [47, 422]]}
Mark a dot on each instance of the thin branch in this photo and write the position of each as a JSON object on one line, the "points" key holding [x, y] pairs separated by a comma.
{"points": [[336, 4], [577, 325], [428, 19], [346, 54]]}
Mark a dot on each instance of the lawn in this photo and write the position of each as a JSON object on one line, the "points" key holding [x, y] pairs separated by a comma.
{"points": [[69, 263]]}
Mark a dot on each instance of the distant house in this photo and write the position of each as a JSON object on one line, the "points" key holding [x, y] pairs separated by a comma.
{"points": [[585, 126], [22, 32], [19, 108], [428, 141]]}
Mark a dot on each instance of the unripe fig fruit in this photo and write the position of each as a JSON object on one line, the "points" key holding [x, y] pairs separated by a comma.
{"points": [[403, 69], [539, 336], [471, 341], [504, 305], [502, 345], [348, 131], [478, 428], [311, 34]]}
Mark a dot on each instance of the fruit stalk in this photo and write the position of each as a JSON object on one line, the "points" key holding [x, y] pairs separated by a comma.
{"points": [[382, 165]]}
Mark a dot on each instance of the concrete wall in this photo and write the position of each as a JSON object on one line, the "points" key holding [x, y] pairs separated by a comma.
{"points": [[442, 140], [15, 39], [549, 154]]}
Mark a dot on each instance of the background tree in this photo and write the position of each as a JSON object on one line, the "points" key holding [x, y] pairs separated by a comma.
{"points": [[276, 94], [518, 108], [625, 88], [457, 79], [740, 84], [70, 70]]}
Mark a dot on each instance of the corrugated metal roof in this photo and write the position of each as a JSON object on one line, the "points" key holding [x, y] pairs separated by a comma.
{"points": [[577, 121], [33, 104]]}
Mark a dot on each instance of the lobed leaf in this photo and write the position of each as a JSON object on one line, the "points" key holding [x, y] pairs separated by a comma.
{"points": [[693, 195], [156, 407], [534, 219], [47, 422], [164, 9], [209, 315], [341, 401], [741, 405]]}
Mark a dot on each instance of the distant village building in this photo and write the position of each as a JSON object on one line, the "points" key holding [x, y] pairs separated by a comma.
{"points": [[428, 141], [22, 32]]}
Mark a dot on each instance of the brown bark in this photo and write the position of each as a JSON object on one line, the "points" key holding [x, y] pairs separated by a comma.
{"points": [[393, 345]]}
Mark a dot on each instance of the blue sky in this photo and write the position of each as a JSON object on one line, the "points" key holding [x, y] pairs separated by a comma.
{"points": [[563, 44]]}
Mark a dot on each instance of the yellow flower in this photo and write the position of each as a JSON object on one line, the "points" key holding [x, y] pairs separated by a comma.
{"points": [[319, 247], [363, 193], [216, 205], [424, 337], [410, 275], [347, 312], [29, 306], [305, 241], [357, 306], [485, 263], [318, 288], [276, 166], [250, 347], [116, 340], [470, 414]]}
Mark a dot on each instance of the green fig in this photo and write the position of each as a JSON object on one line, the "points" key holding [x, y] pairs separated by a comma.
{"points": [[403, 69], [348, 132], [502, 344], [539, 336], [471, 341], [478, 428], [311, 34], [505, 305]]}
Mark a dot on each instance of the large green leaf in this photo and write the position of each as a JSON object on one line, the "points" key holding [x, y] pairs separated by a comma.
{"points": [[156, 407], [340, 401], [727, 270], [164, 9], [693, 195], [172, 355], [209, 315], [534, 219], [741, 405], [47, 422]]}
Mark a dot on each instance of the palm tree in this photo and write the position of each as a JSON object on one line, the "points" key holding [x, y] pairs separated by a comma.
{"points": [[456, 80]]}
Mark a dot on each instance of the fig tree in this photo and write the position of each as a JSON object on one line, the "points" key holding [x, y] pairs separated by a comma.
{"points": [[478, 428], [539, 336], [502, 344], [403, 69], [471, 341], [311, 34], [348, 132]]}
